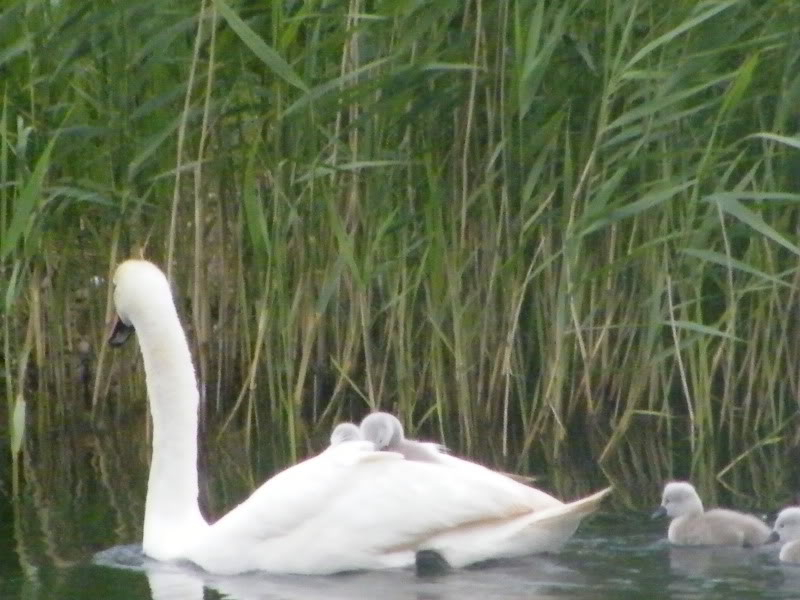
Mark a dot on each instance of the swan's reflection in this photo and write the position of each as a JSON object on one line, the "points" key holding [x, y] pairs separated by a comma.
{"points": [[705, 560], [175, 585], [532, 579], [710, 561], [589, 574]]}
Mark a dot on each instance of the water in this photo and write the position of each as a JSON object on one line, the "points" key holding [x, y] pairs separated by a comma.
{"points": [[83, 495]]}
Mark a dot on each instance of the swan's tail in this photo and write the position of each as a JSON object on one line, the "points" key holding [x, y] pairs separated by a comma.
{"points": [[577, 509], [549, 529], [544, 530]]}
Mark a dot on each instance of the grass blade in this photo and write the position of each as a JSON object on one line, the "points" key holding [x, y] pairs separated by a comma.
{"points": [[260, 48]]}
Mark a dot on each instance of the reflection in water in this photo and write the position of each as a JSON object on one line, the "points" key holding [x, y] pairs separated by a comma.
{"points": [[533, 577], [603, 563], [709, 561], [174, 586], [727, 565]]}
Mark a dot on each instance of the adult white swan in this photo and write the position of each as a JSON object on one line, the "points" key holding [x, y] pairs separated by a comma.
{"points": [[350, 507]]}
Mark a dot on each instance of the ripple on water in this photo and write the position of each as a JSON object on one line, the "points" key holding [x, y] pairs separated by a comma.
{"points": [[128, 556], [620, 559]]}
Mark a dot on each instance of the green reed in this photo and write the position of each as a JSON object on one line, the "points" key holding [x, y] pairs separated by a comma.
{"points": [[554, 235]]}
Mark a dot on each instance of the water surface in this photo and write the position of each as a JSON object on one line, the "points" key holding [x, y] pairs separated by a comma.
{"points": [[84, 494]]}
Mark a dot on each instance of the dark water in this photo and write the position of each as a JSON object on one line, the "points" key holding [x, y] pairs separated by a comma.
{"points": [[83, 494]]}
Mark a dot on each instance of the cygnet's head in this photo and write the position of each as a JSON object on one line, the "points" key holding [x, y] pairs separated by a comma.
{"points": [[679, 499], [345, 432], [140, 289], [382, 429], [787, 525]]}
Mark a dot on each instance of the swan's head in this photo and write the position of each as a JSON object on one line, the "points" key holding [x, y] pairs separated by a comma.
{"points": [[382, 429], [139, 285], [679, 499], [345, 432], [787, 525]]}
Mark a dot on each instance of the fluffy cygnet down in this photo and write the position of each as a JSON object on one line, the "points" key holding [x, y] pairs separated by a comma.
{"points": [[386, 432], [692, 526], [787, 531], [345, 432]]}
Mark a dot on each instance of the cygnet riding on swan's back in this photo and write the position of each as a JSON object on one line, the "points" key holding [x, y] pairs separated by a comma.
{"points": [[386, 432], [345, 432], [692, 526], [787, 531], [351, 507]]}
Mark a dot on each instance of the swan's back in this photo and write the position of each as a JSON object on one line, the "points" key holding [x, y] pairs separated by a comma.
{"points": [[718, 527], [351, 507]]}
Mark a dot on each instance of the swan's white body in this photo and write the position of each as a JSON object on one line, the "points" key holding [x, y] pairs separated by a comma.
{"points": [[351, 507], [787, 530], [691, 525]]}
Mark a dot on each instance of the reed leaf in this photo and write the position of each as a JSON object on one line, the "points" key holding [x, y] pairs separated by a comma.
{"points": [[30, 196], [252, 40]]}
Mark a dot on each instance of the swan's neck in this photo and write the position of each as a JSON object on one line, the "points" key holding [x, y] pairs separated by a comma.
{"points": [[172, 515]]}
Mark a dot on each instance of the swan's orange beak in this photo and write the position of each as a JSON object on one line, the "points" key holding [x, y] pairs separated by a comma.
{"points": [[120, 332]]}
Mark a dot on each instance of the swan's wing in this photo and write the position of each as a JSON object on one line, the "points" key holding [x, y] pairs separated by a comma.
{"points": [[351, 503], [413, 450], [352, 476], [299, 492], [537, 499]]}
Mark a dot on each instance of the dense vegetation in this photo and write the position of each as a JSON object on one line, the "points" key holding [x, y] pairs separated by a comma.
{"points": [[560, 235]]}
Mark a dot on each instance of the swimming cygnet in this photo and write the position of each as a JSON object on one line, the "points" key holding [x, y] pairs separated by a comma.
{"points": [[787, 530], [692, 526], [345, 432]]}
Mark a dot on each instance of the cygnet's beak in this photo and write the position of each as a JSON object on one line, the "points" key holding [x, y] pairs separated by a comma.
{"points": [[773, 537], [120, 332], [659, 512]]}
